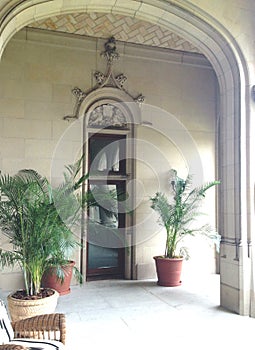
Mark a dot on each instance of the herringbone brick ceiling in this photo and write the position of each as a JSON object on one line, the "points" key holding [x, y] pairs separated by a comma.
{"points": [[122, 28]]}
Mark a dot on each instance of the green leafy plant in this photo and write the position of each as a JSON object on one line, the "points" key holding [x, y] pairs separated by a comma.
{"points": [[39, 221], [179, 213]]}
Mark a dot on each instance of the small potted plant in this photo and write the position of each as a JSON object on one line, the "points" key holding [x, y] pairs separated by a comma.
{"points": [[178, 215], [38, 221]]}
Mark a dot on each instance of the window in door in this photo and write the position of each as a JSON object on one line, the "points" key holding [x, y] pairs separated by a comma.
{"points": [[107, 217]]}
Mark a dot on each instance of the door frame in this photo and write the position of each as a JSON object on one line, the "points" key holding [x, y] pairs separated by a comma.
{"points": [[132, 112]]}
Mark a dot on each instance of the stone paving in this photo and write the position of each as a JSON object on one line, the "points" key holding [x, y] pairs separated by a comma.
{"points": [[124, 314]]}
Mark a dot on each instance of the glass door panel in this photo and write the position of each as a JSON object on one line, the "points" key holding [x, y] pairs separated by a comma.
{"points": [[107, 154], [106, 232], [102, 258], [106, 227]]}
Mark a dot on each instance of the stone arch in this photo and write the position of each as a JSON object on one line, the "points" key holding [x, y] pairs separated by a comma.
{"points": [[220, 48]]}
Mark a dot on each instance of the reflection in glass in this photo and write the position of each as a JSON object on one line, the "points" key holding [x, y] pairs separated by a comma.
{"points": [[107, 154], [105, 210], [108, 159], [106, 233], [100, 257], [103, 236]]}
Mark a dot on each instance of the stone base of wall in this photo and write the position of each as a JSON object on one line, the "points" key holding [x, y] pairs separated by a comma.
{"points": [[145, 271], [11, 281]]}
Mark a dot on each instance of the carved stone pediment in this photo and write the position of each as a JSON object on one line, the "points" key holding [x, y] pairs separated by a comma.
{"points": [[107, 116]]}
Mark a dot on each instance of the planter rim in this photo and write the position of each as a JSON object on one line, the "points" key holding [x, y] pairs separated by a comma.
{"points": [[32, 301], [165, 258], [68, 263]]}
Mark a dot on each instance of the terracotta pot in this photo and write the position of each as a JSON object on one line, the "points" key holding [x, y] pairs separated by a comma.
{"points": [[20, 309], [50, 279], [169, 271]]}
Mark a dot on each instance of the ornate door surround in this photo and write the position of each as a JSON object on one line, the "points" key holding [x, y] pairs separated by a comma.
{"points": [[109, 110]]}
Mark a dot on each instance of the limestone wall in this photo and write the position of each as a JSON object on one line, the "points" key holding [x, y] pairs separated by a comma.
{"points": [[38, 71]]}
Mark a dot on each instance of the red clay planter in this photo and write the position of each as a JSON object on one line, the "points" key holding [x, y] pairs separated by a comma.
{"points": [[168, 271], [50, 279]]}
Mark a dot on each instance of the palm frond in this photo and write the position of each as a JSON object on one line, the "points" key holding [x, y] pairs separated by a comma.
{"points": [[9, 258], [38, 219], [179, 213]]}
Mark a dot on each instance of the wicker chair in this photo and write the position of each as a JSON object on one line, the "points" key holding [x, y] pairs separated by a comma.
{"points": [[40, 330]]}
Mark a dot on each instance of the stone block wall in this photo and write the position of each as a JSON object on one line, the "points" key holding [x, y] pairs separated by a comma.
{"points": [[38, 71]]}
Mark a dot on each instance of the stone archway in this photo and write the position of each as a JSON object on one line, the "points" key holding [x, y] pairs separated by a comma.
{"points": [[223, 53]]}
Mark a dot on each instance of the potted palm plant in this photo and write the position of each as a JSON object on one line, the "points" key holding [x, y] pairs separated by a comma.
{"points": [[178, 215], [37, 220], [68, 202]]}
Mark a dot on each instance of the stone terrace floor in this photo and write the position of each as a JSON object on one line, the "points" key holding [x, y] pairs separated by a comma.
{"points": [[123, 314]]}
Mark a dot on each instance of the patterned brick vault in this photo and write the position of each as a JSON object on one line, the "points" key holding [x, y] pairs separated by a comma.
{"points": [[122, 28]]}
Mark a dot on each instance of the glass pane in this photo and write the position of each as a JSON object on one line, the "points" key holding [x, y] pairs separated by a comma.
{"points": [[104, 235], [100, 257], [105, 210], [107, 154]]}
